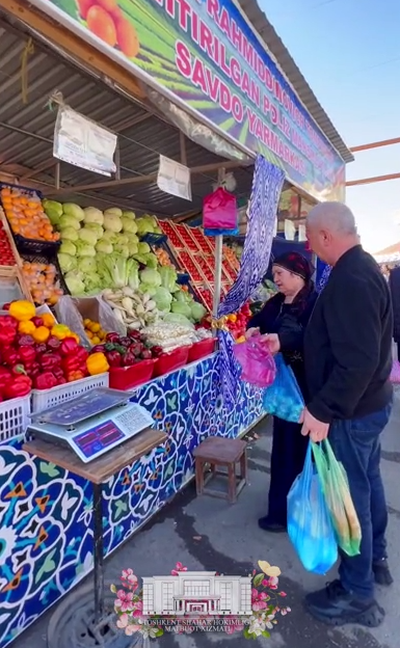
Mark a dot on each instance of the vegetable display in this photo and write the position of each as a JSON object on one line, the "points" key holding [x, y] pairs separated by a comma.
{"points": [[41, 279]]}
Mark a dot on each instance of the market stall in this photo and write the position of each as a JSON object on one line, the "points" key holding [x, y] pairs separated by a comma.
{"points": [[105, 284]]}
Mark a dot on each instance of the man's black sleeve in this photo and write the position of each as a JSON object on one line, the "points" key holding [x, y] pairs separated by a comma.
{"points": [[353, 322]]}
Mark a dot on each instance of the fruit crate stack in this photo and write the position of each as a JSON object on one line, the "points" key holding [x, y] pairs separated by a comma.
{"points": [[195, 253], [32, 242]]}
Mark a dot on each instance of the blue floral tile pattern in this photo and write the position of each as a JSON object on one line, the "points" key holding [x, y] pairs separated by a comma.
{"points": [[46, 538]]}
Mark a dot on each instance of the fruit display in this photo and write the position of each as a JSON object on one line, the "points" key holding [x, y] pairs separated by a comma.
{"points": [[25, 213], [42, 281], [94, 331], [163, 257], [7, 256]]}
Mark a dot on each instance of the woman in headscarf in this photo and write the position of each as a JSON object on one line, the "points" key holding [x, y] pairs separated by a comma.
{"points": [[282, 321]]}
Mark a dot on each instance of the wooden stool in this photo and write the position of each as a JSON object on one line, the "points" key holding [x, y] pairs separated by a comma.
{"points": [[218, 451]]}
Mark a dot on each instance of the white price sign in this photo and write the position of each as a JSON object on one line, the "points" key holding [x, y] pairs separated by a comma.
{"points": [[174, 178]]}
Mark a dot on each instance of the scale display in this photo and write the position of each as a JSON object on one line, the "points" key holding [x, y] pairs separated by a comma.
{"points": [[93, 441], [79, 409]]}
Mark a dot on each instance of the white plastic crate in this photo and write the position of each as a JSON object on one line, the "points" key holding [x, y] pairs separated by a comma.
{"points": [[42, 399], [14, 417]]}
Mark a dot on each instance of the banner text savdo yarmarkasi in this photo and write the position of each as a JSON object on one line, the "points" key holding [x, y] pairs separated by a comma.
{"points": [[253, 94]]}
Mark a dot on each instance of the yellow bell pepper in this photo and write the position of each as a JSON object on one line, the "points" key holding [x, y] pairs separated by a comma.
{"points": [[60, 331], [97, 364], [41, 334], [48, 320], [26, 328], [22, 310]]}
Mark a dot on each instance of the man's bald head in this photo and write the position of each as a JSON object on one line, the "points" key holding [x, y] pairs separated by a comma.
{"points": [[331, 230]]}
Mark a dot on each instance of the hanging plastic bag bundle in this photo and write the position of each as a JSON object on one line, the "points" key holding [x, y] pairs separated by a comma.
{"points": [[256, 362], [338, 499], [220, 213], [284, 398], [310, 527]]}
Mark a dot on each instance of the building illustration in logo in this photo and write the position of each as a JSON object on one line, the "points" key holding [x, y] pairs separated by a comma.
{"points": [[196, 593]]}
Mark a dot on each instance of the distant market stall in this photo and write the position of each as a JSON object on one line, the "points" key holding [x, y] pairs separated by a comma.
{"points": [[102, 280]]}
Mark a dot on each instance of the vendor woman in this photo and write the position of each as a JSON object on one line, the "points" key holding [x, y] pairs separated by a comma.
{"points": [[283, 320]]}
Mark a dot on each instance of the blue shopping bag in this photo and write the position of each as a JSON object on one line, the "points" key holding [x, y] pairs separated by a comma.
{"points": [[283, 398], [310, 526]]}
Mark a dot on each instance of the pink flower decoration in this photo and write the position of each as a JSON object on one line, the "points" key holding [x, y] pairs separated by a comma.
{"points": [[129, 578], [283, 594], [178, 568], [258, 600], [124, 601]]}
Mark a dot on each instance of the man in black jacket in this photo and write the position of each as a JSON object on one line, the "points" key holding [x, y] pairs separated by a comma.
{"points": [[394, 285], [347, 352]]}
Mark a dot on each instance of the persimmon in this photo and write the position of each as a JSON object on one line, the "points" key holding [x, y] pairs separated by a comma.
{"points": [[108, 5], [83, 7], [101, 24], [128, 41]]}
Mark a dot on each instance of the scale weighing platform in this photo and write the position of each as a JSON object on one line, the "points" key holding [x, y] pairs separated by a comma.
{"points": [[91, 424]]}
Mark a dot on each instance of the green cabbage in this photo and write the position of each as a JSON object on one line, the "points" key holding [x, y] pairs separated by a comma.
{"points": [[66, 262], [168, 277], [145, 225], [113, 269], [151, 260], [53, 205], [70, 209], [181, 309], [144, 248], [104, 246], [96, 228], [74, 281], [128, 225], [151, 277], [92, 283], [178, 319], [133, 274], [133, 248], [87, 236], [113, 211], [67, 247], [112, 222], [129, 214], [69, 234], [93, 215], [68, 221], [84, 249], [148, 289], [163, 299], [198, 311], [87, 265]]}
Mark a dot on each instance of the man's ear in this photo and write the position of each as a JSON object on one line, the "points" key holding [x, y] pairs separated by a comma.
{"points": [[326, 236]]}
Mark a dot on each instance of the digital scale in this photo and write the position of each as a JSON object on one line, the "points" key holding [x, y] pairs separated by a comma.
{"points": [[91, 424]]}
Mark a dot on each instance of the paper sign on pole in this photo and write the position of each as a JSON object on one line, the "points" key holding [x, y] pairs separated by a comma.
{"points": [[174, 178], [302, 233], [83, 143], [290, 230]]}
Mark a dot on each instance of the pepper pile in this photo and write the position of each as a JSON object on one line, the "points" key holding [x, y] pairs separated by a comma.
{"points": [[38, 353], [126, 351], [94, 331]]}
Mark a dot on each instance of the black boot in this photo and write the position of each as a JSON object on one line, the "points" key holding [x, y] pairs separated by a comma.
{"points": [[336, 606], [267, 524], [382, 572]]}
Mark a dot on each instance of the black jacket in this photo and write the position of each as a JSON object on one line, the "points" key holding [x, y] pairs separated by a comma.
{"points": [[394, 285], [289, 322], [348, 341]]}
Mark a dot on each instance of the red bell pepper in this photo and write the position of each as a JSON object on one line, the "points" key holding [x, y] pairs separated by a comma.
{"points": [[98, 348], [70, 363], [7, 320], [114, 358], [10, 356], [7, 336], [18, 370], [58, 372], [37, 321], [128, 359], [40, 348], [27, 355], [25, 340], [68, 346], [157, 351], [34, 370], [19, 386], [50, 361], [135, 335], [53, 343], [46, 380], [113, 338], [82, 354], [5, 376]]}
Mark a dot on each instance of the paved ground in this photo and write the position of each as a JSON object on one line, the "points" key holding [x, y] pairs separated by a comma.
{"points": [[209, 534]]}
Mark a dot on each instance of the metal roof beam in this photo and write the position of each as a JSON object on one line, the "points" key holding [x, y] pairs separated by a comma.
{"points": [[364, 181], [374, 145]]}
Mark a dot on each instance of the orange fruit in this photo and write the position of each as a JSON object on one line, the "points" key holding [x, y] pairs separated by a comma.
{"points": [[128, 41], [101, 24], [83, 7]]}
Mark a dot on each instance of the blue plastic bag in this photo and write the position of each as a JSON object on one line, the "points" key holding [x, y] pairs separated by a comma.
{"points": [[310, 527], [284, 398]]}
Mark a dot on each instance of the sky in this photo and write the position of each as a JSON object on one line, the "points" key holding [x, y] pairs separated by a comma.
{"points": [[349, 53]]}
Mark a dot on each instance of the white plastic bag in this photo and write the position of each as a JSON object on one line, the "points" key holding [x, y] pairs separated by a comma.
{"points": [[73, 310]]}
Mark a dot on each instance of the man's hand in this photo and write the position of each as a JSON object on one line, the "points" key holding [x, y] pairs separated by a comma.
{"points": [[273, 343], [317, 430], [251, 332]]}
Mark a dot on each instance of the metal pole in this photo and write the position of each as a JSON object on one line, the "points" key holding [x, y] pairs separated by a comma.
{"points": [[58, 175], [218, 260]]}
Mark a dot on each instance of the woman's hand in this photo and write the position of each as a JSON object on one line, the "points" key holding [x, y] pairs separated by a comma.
{"points": [[251, 332], [273, 343]]}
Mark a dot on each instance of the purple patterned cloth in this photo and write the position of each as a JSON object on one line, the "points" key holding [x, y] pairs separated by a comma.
{"points": [[265, 194], [324, 278]]}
